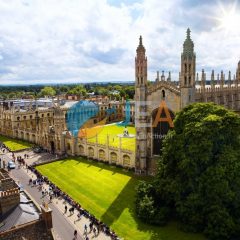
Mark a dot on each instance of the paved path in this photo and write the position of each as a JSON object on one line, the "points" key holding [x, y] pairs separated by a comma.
{"points": [[63, 224]]}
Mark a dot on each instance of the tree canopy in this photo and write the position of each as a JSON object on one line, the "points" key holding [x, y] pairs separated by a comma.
{"points": [[47, 91], [78, 90], [198, 178]]}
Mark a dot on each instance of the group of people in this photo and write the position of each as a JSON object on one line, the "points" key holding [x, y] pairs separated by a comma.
{"points": [[95, 225], [4, 148]]}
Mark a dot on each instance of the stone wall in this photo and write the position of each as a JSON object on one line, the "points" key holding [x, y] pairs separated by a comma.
{"points": [[9, 192], [9, 199], [32, 231]]}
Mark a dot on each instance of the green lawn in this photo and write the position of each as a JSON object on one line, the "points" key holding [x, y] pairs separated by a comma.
{"points": [[14, 144], [113, 130], [108, 193]]}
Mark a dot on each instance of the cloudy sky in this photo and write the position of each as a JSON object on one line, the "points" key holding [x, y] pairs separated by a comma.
{"points": [[62, 41]]}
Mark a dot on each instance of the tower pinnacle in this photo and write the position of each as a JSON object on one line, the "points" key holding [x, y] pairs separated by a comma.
{"points": [[188, 45], [140, 49], [140, 40], [188, 33]]}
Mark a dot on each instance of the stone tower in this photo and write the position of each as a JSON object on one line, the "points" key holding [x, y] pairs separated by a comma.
{"points": [[141, 107], [188, 70], [59, 127], [238, 73]]}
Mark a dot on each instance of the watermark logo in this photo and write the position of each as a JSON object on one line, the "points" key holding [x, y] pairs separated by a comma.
{"points": [[163, 108], [143, 109]]}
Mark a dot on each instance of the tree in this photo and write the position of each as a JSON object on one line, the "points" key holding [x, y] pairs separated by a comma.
{"points": [[78, 90], [47, 91], [198, 177]]}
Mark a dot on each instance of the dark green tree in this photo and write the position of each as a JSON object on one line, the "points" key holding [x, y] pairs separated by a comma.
{"points": [[198, 179]]}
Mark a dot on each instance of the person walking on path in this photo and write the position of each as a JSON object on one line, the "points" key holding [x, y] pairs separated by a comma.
{"points": [[85, 229], [75, 234], [94, 231], [65, 209]]}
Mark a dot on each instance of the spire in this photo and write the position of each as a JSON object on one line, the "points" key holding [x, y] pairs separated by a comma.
{"points": [[157, 79], [222, 79], [229, 78], [163, 76], [188, 45], [140, 47], [212, 78], [140, 40], [197, 79], [169, 76], [203, 79], [188, 33]]}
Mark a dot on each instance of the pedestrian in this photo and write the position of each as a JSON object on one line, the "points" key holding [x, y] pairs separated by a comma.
{"points": [[91, 226], [85, 229], [65, 209], [75, 234], [94, 231]]}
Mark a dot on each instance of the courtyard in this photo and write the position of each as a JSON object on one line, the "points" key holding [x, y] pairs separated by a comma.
{"points": [[109, 193]]}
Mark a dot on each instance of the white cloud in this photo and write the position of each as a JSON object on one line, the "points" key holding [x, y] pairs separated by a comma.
{"points": [[79, 41]]}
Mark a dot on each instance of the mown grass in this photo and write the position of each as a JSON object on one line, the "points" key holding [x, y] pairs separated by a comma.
{"points": [[112, 132], [109, 193], [15, 144]]}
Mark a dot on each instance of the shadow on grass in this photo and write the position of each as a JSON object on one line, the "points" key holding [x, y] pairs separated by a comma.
{"points": [[126, 199]]}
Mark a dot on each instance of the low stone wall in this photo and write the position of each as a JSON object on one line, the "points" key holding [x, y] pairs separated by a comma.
{"points": [[104, 153]]}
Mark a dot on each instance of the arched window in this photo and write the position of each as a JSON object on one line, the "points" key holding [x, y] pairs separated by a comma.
{"points": [[189, 80], [163, 94], [185, 67], [113, 157], [81, 149], [91, 152], [126, 160], [68, 146], [102, 154], [185, 81]]}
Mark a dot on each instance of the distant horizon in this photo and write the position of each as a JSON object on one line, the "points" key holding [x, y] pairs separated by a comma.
{"points": [[71, 42], [74, 83]]}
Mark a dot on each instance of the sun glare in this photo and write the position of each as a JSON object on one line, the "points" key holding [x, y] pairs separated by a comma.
{"points": [[229, 18]]}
